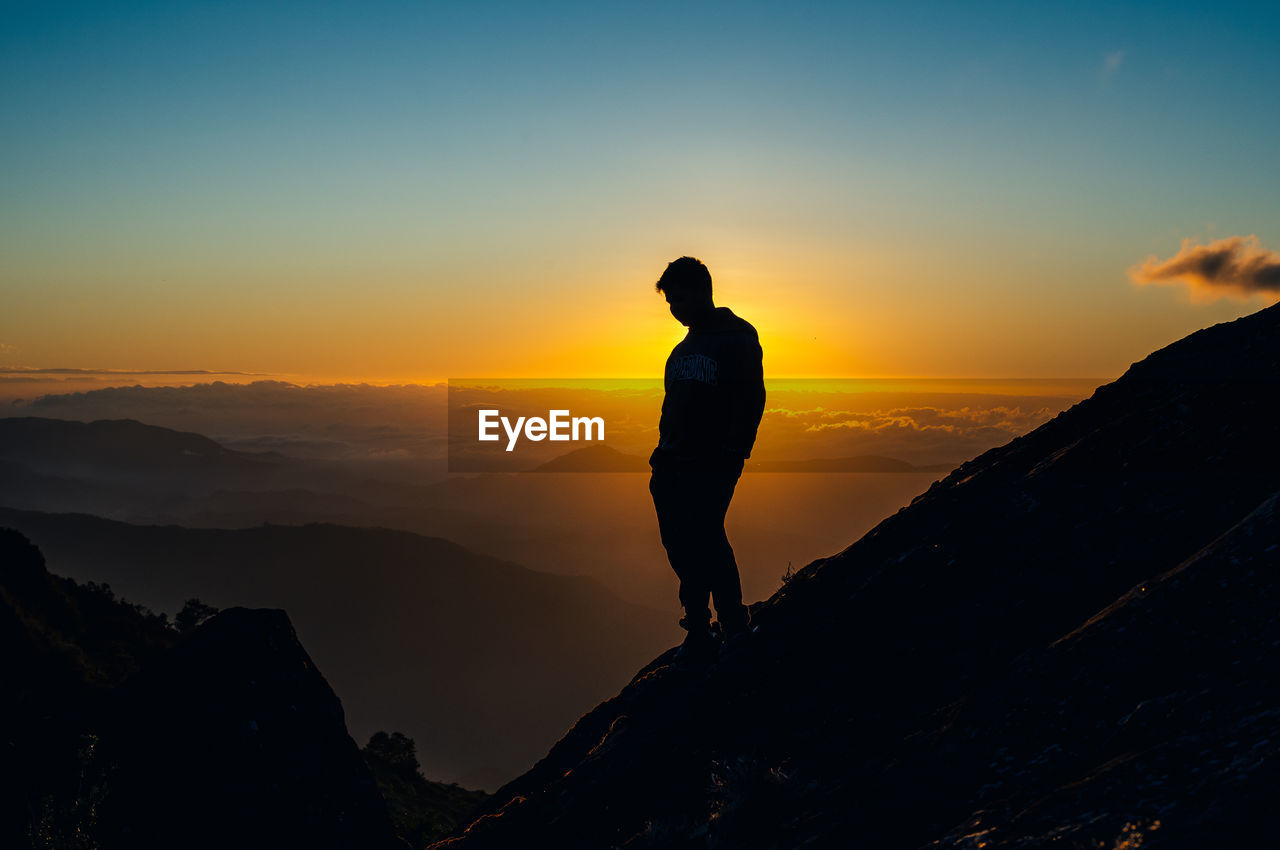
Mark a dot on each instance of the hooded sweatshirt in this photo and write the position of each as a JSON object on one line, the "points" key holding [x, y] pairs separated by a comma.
{"points": [[714, 385]]}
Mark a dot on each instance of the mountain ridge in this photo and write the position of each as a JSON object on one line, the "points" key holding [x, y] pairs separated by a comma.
{"points": [[872, 704]]}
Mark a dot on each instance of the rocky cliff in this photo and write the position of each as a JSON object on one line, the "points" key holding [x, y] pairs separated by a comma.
{"points": [[119, 732], [1069, 640]]}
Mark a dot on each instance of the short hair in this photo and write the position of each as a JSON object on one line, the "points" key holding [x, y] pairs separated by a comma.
{"points": [[687, 273]]}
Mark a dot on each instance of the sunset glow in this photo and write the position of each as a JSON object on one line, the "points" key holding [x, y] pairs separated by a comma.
{"points": [[392, 193]]}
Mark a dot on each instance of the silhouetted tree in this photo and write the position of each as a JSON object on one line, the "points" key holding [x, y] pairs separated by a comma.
{"points": [[396, 751], [421, 810], [193, 613]]}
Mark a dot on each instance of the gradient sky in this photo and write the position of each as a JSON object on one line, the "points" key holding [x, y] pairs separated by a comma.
{"points": [[417, 190]]}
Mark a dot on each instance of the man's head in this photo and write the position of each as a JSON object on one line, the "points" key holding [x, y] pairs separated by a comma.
{"points": [[687, 284]]}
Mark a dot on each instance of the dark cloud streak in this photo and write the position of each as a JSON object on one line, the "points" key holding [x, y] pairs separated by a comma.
{"points": [[1237, 266]]}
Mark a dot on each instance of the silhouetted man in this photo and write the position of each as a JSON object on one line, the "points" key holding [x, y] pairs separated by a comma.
{"points": [[714, 399]]}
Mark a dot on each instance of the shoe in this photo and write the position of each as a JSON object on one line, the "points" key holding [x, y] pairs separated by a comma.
{"points": [[736, 639], [695, 625], [699, 645], [737, 630], [736, 623]]}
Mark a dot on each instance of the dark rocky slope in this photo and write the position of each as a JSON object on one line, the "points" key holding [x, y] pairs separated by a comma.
{"points": [[1069, 640], [479, 660], [235, 739], [118, 732]]}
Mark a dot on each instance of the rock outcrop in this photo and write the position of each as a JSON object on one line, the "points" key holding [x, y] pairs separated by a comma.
{"points": [[119, 732]]}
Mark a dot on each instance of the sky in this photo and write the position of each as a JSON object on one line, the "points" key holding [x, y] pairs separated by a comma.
{"points": [[411, 191]]}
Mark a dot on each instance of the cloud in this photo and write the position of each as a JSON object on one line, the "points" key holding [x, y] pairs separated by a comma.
{"points": [[6, 348], [1236, 267], [1111, 63], [962, 420], [925, 433]]}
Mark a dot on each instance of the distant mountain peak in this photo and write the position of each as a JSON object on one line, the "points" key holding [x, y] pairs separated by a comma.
{"points": [[599, 457]]}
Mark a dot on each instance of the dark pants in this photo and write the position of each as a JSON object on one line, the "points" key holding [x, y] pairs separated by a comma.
{"points": [[691, 499]]}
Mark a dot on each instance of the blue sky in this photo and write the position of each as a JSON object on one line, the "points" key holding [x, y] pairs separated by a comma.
{"points": [[930, 162]]}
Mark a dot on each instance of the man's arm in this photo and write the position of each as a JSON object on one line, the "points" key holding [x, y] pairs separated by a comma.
{"points": [[750, 397]]}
